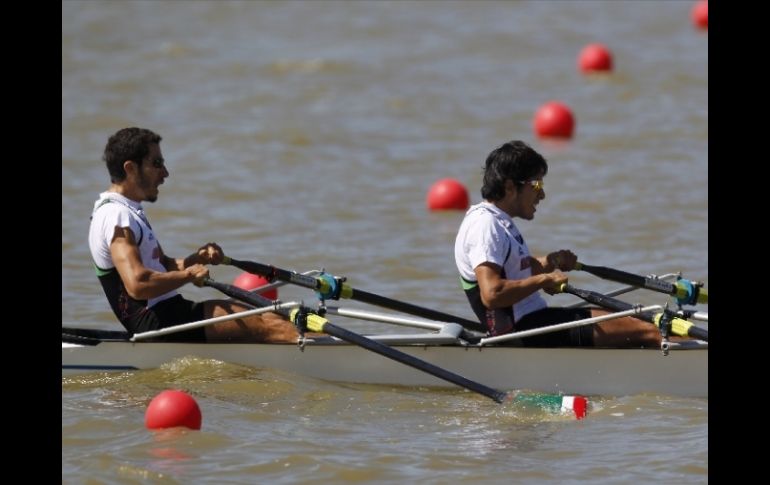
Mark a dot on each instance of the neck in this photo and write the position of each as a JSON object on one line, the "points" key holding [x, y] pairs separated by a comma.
{"points": [[125, 192], [500, 204]]}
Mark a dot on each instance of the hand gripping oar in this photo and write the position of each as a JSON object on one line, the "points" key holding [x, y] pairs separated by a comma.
{"points": [[685, 291], [304, 318], [679, 326], [333, 288]]}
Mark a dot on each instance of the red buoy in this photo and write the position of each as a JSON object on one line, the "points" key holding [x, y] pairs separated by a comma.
{"points": [[248, 281], [554, 119], [447, 194], [595, 58], [700, 14], [170, 409]]}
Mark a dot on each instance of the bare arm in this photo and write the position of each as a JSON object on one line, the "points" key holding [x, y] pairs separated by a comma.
{"points": [[141, 282], [497, 292]]}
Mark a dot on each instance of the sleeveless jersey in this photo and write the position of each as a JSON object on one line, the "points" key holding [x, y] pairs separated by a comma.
{"points": [[487, 234], [114, 210]]}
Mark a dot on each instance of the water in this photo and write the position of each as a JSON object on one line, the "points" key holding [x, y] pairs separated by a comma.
{"points": [[306, 135]]}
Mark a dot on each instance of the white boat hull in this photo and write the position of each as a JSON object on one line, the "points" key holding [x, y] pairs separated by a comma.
{"points": [[587, 371]]}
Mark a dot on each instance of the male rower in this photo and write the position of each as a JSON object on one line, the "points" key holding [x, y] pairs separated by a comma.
{"points": [[502, 280], [138, 278]]}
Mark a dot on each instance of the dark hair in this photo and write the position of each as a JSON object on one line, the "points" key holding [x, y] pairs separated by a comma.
{"points": [[514, 160], [127, 144]]}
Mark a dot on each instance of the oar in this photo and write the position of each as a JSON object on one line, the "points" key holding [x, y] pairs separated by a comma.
{"points": [[685, 291], [679, 326], [317, 323], [335, 288]]}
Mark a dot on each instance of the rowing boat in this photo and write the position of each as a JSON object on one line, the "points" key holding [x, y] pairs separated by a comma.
{"points": [[592, 371], [449, 353]]}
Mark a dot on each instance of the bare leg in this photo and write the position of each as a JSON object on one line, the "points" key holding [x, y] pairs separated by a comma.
{"points": [[266, 327], [625, 332]]}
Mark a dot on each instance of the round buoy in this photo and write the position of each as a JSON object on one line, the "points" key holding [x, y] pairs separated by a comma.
{"points": [[248, 281], [595, 58], [554, 119], [700, 14], [170, 409], [447, 194]]}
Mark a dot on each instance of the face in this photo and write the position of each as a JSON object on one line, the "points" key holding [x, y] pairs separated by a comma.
{"points": [[524, 197], [151, 174]]}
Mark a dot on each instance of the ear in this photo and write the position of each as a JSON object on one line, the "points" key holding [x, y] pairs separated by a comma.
{"points": [[130, 167], [510, 187]]}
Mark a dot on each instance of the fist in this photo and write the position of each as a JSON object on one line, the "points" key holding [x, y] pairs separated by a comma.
{"points": [[211, 253], [554, 282], [563, 259], [199, 273]]}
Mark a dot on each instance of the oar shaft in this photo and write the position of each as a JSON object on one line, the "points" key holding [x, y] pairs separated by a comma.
{"points": [[654, 284], [679, 326], [317, 323], [404, 358], [271, 272], [245, 296], [385, 302]]}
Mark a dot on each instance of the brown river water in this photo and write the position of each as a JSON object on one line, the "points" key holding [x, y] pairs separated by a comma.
{"points": [[306, 135]]}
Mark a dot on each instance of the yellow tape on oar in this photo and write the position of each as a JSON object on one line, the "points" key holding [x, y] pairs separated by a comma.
{"points": [[684, 293], [327, 286], [315, 323], [679, 326]]}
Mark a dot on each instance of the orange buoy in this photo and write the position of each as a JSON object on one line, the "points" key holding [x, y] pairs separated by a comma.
{"points": [[554, 119], [248, 281], [172, 408], [700, 14], [447, 194], [595, 58]]}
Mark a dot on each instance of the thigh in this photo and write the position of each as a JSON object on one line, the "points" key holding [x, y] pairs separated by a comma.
{"points": [[625, 332], [171, 312], [574, 337]]}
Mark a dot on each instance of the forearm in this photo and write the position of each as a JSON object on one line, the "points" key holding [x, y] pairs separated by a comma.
{"points": [[541, 265], [506, 293], [178, 264], [151, 284]]}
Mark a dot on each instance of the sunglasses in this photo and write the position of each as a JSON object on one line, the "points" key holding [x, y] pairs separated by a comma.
{"points": [[536, 184]]}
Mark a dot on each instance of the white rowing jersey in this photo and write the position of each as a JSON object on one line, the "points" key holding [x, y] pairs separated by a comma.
{"points": [[113, 210], [488, 234]]}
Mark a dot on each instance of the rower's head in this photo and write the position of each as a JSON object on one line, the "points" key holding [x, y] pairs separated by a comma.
{"points": [[133, 157], [513, 179], [514, 161]]}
